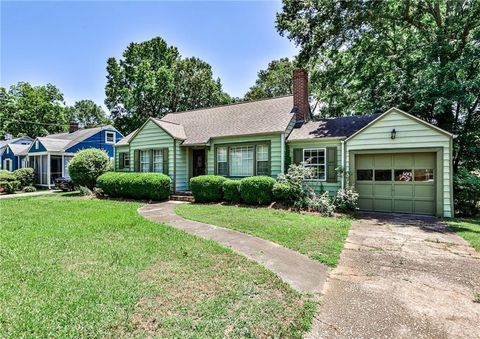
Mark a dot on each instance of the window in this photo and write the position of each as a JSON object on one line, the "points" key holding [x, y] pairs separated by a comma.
{"points": [[404, 175], [241, 161], [8, 150], [315, 158], [158, 161], [36, 144], [222, 161], [144, 161], [8, 164], [365, 175], [262, 160], [383, 175], [423, 174], [124, 160], [110, 137]]}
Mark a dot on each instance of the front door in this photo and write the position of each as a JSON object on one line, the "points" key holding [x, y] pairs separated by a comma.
{"points": [[198, 162]]}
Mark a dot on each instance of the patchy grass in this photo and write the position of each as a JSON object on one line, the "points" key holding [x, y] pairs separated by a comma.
{"points": [[469, 229], [77, 267], [320, 238]]}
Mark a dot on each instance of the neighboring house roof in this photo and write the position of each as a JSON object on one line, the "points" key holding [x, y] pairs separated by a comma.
{"points": [[332, 127], [255, 117], [62, 141], [19, 149], [126, 140], [13, 141]]}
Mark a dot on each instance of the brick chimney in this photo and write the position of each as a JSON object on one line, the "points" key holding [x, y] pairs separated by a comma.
{"points": [[300, 95], [73, 127]]}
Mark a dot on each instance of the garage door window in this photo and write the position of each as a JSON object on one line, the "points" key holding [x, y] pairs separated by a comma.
{"points": [[404, 175], [383, 175], [424, 175], [365, 175]]}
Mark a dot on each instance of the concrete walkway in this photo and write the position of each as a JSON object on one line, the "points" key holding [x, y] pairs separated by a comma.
{"points": [[301, 272], [31, 194], [401, 277]]}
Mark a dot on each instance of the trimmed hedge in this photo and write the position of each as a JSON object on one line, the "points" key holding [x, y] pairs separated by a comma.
{"points": [[25, 176], [6, 176], [10, 187], [257, 190], [207, 188], [281, 191], [152, 186], [231, 190]]}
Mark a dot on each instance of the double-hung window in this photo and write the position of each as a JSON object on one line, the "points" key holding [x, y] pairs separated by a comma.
{"points": [[241, 161], [262, 160], [315, 158], [145, 161], [222, 161], [109, 137], [158, 161]]}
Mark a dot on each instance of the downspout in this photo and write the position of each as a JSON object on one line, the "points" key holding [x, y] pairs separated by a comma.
{"points": [[282, 153], [343, 164]]}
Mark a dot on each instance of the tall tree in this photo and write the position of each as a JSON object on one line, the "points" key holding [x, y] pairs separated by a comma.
{"points": [[88, 114], [274, 81], [152, 79], [422, 56], [32, 110]]}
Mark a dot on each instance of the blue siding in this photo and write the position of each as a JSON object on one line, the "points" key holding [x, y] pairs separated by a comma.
{"points": [[41, 148], [10, 156], [96, 141]]}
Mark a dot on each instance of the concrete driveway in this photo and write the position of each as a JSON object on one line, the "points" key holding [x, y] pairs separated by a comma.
{"points": [[401, 277]]}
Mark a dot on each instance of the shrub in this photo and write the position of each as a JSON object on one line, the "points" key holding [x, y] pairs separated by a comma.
{"points": [[281, 191], [87, 165], [25, 176], [6, 176], [231, 190], [257, 190], [346, 199], [321, 203], [299, 191], [153, 186], [29, 189], [85, 191], [10, 187], [207, 188], [466, 193]]}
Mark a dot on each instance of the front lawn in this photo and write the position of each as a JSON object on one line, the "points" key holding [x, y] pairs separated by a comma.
{"points": [[77, 267], [469, 229], [320, 238]]}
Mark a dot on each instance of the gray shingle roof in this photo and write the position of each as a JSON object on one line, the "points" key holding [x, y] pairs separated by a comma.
{"points": [[254, 117], [126, 140], [12, 141], [331, 127], [18, 149], [174, 129]]}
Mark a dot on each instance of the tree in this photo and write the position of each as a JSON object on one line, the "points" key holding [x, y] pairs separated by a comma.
{"points": [[276, 80], [32, 110], [152, 79], [88, 114], [419, 55]]}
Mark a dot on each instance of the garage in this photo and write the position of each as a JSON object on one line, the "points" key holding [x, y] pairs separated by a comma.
{"points": [[396, 182]]}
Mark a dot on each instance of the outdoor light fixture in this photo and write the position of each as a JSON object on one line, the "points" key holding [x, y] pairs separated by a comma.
{"points": [[393, 134]]}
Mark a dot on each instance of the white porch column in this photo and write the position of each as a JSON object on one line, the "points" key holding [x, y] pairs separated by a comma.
{"points": [[63, 166], [48, 170]]}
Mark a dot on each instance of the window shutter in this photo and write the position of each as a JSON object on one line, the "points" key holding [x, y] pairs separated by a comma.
{"points": [[121, 157], [136, 160], [297, 156], [331, 164], [150, 152], [165, 161]]}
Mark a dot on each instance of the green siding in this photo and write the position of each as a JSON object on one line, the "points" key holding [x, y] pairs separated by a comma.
{"points": [[118, 150], [275, 150], [331, 187], [410, 135]]}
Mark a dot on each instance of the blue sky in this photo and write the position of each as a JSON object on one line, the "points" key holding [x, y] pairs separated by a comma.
{"points": [[68, 43]]}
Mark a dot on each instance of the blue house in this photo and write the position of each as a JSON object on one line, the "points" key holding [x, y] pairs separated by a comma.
{"points": [[9, 152], [49, 155]]}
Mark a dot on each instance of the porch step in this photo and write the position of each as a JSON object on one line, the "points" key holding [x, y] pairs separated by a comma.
{"points": [[182, 197]]}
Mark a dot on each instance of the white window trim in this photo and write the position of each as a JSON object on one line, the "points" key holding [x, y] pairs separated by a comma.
{"points": [[36, 144], [147, 152], [157, 162], [324, 149], [230, 162], [10, 168], [222, 162], [126, 155], [107, 133]]}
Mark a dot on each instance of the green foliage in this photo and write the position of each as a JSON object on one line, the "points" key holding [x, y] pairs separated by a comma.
{"points": [[276, 80], [466, 193], [299, 191], [281, 191], [29, 189], [6, 176], [88, 114], [26, 176], [321, 203], [231, 190], [346, 199], [87, 165], [10, 187], [257, 190], [152, 79], [32, 110], [207, 188], [423, 57], [152, 186]]}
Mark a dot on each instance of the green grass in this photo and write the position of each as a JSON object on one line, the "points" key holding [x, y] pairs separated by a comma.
{"points": [[320, 238], [78, 267], [469, 229]]}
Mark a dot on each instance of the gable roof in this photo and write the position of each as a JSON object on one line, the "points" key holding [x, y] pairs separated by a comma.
{"points": [[397, 110], [62, 141], [18, 149], [13, 141], [339, 127]]}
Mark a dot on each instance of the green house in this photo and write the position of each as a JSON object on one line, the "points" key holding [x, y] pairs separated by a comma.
{"points": [[397, 162]]}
